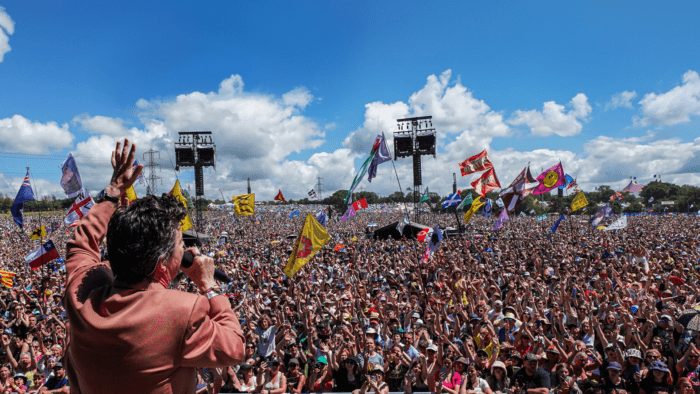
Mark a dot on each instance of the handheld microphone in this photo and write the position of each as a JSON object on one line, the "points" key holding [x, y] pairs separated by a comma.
{"points": [[188, 259]]}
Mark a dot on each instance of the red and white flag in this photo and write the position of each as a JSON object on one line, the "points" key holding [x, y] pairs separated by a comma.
{"points": [[80, 208], [476, 163], [42, 255], [359, 204], [487, 182], [424, 234]]}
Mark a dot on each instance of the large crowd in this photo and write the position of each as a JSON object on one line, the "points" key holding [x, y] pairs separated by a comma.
{"points": [[506, 311]]}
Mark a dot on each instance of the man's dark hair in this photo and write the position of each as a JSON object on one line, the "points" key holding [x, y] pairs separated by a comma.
{"points": [[141, 235]]}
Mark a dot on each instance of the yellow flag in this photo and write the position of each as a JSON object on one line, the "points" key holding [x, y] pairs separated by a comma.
{"points": [[245, 204], [186, 223], [476, 204], [130, 195], [579, 202], [39, 233], [311, 239]]}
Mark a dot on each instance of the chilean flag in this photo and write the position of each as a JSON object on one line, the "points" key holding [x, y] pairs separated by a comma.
{"points": [[42, 255]]}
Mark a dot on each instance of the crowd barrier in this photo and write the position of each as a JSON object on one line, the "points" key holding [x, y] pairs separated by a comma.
{"points": [[660, 213]]}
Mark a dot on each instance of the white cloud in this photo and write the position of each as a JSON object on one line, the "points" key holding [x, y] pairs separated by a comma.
{"points": [[7, 28], [254, 134], [333, 167], [19, 134], [453, 108], [299, 97], [379, 117], [93, 155], [251, 129], [101, 125], [554, 119], [621, 100], [673, 107], [258, 134]]}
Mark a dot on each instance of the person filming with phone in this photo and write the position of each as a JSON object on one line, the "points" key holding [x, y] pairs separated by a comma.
{"points": [[128, 332]]}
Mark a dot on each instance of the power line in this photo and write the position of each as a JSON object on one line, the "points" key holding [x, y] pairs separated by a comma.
{"points": [[318, 188], [152, 177]]}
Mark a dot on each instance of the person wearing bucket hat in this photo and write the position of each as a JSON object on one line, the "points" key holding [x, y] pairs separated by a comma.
{"points": [[20, 383], [658, 379], [505, 333], [498, 381], [633, 361], [375, 381]]}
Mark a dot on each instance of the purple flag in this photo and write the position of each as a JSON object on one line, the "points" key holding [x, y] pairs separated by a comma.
{"points": [[380, 157], [348, 214], [502, 218]]}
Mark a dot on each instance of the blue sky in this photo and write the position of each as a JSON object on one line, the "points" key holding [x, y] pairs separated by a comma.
{"points": [[295, 90]]}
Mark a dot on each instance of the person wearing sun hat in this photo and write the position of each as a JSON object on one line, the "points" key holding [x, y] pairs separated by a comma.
{"points": [[658, 379], [509, 326], [498, 381], [20, 383], [375, 381]]}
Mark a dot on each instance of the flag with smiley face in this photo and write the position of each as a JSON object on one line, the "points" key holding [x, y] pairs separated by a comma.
{"points": [[550, 179]]}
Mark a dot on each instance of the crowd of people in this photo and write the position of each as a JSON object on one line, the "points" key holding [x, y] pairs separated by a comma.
{"points": [[508, 311]]}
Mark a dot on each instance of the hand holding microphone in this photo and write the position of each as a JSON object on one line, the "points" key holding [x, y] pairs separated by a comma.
{"points": [[201, 270]]}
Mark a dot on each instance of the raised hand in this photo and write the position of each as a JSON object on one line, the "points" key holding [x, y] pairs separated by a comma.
{"points": [[125, 174]]}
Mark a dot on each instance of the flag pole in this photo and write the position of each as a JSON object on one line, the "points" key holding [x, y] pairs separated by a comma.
{"points": [[403, 199], [41, 235]]}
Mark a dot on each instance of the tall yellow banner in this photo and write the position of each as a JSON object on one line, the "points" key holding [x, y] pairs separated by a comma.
{"points": [[186, 223], [311, 239]]}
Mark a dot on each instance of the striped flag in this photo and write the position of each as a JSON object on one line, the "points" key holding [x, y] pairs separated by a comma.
{"points": [[7, 278], [42, 255]]}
